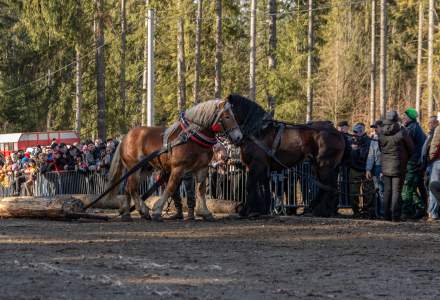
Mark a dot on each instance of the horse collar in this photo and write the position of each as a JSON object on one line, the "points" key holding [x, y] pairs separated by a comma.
{"points": [[196, 135]]}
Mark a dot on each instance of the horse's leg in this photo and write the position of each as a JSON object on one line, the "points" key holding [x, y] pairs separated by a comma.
{"points": [[134, 182], [201, 207], [173, 183], [255, 192], [124, 209], [328, 202]]}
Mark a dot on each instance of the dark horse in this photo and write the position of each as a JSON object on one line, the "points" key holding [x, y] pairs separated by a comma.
{"points": [[289, 144], [193, 137]]}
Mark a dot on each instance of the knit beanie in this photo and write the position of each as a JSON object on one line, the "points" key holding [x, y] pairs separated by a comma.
{"points": [[412, 113]]}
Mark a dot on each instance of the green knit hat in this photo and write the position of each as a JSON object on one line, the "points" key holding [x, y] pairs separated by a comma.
{"points": [[412, 113]]}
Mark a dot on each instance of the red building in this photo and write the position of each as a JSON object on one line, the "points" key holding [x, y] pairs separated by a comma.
{"points": [[11, 142]]}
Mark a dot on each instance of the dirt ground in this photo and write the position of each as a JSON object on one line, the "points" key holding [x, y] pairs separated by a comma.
{"points": [[277, 258]]}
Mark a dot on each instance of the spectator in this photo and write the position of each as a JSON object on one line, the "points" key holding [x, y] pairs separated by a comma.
{"points": [[344, 168], [413, 202], [426, 164], [343, 126], [358, 183], [373, 167], [189, 184], [90, 159], [434, 159], [30, 174], [106, 160], [396, 146]]}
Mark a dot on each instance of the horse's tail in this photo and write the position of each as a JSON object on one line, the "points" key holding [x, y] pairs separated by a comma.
{"points": [[115, 172]]}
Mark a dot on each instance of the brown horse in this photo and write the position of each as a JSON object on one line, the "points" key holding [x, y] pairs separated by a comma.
{"points": [[190, 142], [271, 145]]}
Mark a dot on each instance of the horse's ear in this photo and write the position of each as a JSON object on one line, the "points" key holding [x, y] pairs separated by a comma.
{"points": [[221, 103]]}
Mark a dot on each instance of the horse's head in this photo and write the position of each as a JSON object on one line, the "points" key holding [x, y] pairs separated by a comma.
{"points": [[226, 122]]}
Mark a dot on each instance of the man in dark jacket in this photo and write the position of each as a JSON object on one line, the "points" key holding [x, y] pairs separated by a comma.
{"points": [[189, 183], [344, 168], [396, 147], [359, 185], [412, 201]]}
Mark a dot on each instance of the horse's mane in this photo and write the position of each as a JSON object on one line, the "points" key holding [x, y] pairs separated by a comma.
{"points": [[203, 114], [251, 114]]}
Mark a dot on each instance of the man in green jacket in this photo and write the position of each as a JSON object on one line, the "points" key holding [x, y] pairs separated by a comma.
{"points": [[413, 200]]}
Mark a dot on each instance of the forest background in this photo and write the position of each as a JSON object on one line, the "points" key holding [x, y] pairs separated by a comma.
{"points": [[55, 56]]}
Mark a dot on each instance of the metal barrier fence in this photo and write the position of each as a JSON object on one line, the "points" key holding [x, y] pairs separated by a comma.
{"points": [[290, 188], [73, 182]]}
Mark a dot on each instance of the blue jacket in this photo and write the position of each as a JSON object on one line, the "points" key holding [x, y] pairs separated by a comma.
{"points": [[418, 137]]}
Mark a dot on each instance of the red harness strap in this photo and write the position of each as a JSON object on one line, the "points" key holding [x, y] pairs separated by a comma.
{"points": [[198, 137]]}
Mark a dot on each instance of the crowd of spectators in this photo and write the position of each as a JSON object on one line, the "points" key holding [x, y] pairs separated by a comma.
{"points": [[393, 169], [19, 169]]}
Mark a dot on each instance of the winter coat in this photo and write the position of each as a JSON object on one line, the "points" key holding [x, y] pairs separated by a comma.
{"points": [[396, 147], [373, 159], [418, 137], [359, 156], [434, 148]]}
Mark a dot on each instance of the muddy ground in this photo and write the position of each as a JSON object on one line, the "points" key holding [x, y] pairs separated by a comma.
{"points": [[278, 258]]}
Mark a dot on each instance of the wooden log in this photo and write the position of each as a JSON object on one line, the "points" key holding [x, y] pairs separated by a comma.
{"points": [[72, 206], [214, 205], [40, 207]]}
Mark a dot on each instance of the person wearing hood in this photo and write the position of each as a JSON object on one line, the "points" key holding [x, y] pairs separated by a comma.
{"points": [[413, 201], [396, 147], [359, 185]]}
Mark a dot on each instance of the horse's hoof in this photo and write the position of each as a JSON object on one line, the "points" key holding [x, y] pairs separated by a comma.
{"points": [[126, 218], [156, 218], [208, 217], [146, 217], [254, 215]]}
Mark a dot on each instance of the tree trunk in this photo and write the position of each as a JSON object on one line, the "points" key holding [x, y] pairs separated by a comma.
{"points": [[373, 64], [100, 68], [252, 54], [145, 73], [58, 207], [181, 65], [272, 60], [383, 58], [122, 93], [49, 119], [51, 102], [430, 57], [419, 58], [197, 52], [218, 50], [78, 91], [310, 64]]}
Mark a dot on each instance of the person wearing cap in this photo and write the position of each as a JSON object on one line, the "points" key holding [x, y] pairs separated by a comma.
{"points": [[434, 178], [414, 193], [373, 167], [358, 183], [343, 126], [396, 147]]}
